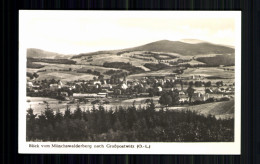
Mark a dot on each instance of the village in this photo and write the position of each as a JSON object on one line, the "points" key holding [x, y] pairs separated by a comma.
{"points": [[103, 91]]}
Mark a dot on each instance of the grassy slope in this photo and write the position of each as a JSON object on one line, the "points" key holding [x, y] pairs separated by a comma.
{"points": [[218, 109], [224, 109], [209, 71]]}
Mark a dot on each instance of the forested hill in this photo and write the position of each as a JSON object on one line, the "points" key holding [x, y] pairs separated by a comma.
{"points": [[182, 48], [38, 53], [179, 47]]}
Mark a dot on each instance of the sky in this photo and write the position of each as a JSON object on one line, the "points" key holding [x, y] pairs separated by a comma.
{"points": [[73, 32]]}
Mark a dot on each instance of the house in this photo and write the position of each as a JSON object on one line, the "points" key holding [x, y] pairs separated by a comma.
{"points": [[106, 86], [181, 93], [143, 94], [200, 97], [29, 84], [54, 87], [89, 95], [60, 84], [102, 94], [197, 77], [36, 87], [93, 86], [209, 90], [97, 82], [124, 86], [64, 94], [159, 89], [183, 98]]}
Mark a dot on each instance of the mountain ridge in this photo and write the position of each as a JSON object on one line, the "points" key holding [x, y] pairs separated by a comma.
{"points": [[164, 46], [185, 49]]}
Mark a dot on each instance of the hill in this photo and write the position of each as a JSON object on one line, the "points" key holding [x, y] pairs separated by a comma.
{"points": [[185, 49], [38, 53]]}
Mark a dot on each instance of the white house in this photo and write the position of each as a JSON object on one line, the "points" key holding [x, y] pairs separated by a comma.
{"points": [[124, 86], [29, 84], [54, 87], [183, 98], [159, 89]]}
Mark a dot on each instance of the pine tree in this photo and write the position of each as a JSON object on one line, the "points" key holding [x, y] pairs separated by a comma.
{"points": [[58, 115], [77, 113], [67, 114], [30, 116], [49, 114]]}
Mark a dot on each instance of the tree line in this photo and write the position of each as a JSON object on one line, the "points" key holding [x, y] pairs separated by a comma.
{"points": [[127, 124], [126, 66]]}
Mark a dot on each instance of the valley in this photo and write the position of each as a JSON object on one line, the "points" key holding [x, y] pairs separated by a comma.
{"points": [[130, 74]]}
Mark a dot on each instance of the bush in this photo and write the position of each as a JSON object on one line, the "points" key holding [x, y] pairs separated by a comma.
{"points": [[209, 100], [197, 102], [224, 99]]}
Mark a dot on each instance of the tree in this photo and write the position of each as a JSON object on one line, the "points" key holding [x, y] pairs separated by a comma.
{"points": [[175, 97], [219, 83], [198, 83], [208, 84], [77, 113], [191, 83], [181, 82], [190, 92], [49, 114], [30, 116], [165, 99], [67, 113], [30, 123], [35, 75], [58, 115]]}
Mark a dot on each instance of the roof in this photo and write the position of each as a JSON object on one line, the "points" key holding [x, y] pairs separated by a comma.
{"points": [[183, 96]]}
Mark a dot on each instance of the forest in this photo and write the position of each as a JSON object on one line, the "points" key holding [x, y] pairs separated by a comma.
{"points": [[126, 124], [227, 60], [126, 66], [57, 61], [156, 67]]}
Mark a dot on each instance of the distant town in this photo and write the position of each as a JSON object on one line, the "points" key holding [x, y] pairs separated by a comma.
{"points": [[101, 90]]}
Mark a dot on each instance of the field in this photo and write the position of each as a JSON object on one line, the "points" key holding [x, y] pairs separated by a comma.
{"points": [[165, 72], [218, 109], [38, 105], [101, 59], [210, 71], [193, 63], [65, 76]]}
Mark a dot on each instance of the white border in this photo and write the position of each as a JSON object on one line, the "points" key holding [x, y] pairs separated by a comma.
{"points": [[155, 148]]}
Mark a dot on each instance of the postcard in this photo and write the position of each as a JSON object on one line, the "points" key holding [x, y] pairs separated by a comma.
{"points": [[129, 82]]}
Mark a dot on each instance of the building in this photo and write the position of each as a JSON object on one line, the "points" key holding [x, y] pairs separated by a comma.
{"points": [[29, 84], [89, 95], [102, 94], [64, 94], [106, 86], [183, 98], [54, 87], [124, 86], [143, 94], [159, 89]]}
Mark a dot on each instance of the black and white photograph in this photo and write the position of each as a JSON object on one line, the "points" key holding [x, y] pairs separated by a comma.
{"points": [[158, 82]]}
